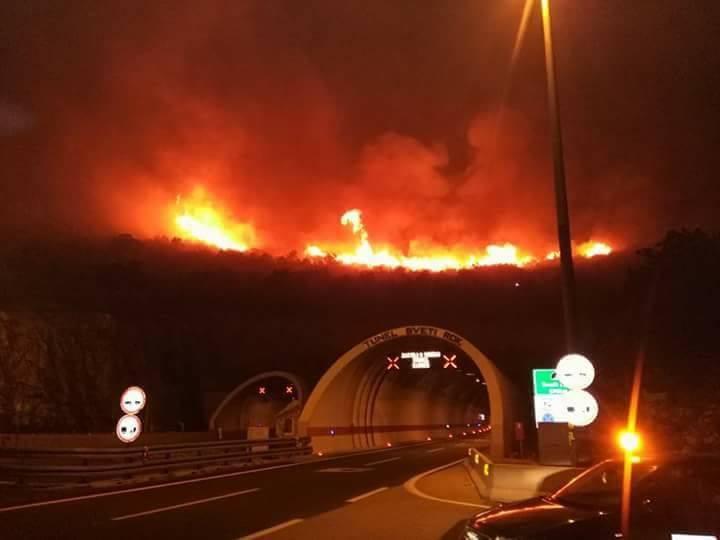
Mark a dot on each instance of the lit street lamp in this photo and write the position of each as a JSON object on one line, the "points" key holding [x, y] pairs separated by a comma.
{"points": [[561, 203]]}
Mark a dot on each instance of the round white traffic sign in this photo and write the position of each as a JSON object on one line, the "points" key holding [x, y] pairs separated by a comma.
{"points": [[575, 372], [128, 428], [581, 406], [132, 400]]}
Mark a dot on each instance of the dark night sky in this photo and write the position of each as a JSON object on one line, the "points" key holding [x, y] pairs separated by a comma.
{"points": [[292, 111]]}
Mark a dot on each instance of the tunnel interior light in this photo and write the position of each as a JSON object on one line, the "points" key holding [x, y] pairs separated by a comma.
{"points": [[388, 444], [477, 380], [429, 439], [450, 436], [289, 389], [393, 363], [447, 426], [262, 390], [332, 432]]}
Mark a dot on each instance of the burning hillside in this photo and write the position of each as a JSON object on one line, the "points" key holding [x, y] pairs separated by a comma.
{"points": [[200, 221]]}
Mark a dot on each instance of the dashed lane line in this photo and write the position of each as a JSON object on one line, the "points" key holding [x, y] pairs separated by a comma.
{"points": [[266, 532], [186, 504], [366, 495]]}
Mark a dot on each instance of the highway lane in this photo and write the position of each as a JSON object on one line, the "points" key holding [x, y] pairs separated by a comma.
{"points": [[234, 505]]}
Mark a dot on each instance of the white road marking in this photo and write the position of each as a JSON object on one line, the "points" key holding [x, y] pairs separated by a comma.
{"points": [[368, 494], [382, 461], [195, 480], [435, 450], [343, 470], [412, 488], [183, 505], [271, 530]]}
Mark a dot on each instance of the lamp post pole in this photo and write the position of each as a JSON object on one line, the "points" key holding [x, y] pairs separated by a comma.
{"points": [[561, 202]]}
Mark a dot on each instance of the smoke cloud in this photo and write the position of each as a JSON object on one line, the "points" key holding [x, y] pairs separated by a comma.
{"points": [[289, 113]]}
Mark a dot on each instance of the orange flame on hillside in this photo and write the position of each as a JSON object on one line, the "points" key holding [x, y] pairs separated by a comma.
{"points": [[364, 254], [198, 220], [593, 249]]}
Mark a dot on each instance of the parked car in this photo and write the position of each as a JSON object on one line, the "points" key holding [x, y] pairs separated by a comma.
{"points": [[672, 498]]}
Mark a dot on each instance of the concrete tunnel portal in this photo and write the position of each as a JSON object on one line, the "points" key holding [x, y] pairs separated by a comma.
{"points": [[407, 384]]}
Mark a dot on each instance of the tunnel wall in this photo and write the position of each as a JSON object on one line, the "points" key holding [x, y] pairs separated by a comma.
{"points": [[403, 415]]}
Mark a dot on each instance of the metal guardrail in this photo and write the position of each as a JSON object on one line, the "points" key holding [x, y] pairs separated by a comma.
{"points": [[53, 465]]}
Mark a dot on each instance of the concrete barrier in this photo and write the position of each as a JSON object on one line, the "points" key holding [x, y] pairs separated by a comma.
{"points": [[507, 482]]}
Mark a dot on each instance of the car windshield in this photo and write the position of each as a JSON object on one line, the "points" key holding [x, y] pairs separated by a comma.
{"points": [[601, 486]]}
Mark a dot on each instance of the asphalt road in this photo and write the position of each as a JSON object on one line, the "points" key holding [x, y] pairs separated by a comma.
{"points": [[316, 499]]}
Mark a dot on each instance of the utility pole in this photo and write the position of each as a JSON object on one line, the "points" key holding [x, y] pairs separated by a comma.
{"points": [[561, 202]]}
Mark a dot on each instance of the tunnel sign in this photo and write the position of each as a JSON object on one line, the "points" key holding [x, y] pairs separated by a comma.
{"points": [[421, 360], [128, 428]]}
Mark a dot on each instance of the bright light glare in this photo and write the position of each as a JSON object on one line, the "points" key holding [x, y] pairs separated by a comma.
{"points": [[629, 441]]}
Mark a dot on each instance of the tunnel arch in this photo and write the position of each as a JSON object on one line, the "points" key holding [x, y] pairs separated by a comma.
{"points": [[353, 386], [294, 379]]}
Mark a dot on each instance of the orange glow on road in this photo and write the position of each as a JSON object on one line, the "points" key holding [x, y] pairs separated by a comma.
{"points": [[198, 220]]}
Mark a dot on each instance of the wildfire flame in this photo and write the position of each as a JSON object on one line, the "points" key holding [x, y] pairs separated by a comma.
{"points": [[200, 221], [593, 249], [364, 254]]}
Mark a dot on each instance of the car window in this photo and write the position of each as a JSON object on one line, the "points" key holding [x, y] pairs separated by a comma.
{"points": [[686, 494], [602, 485]]}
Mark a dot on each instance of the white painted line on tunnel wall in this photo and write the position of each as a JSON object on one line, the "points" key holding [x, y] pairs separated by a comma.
{"points": [[382, 461], [271, 530], [432, 451], [411, 487], [368, 494], [195, 480], [184, 505]]}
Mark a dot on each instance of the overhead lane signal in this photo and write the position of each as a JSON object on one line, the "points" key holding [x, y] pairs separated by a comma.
{"points": [[450, 361]]}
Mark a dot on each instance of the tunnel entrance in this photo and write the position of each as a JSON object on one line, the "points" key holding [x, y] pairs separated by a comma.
{"points": [[407, 384], [268, 402]]}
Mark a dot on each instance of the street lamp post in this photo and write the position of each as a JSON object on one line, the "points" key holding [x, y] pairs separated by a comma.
{"points": [[561, 203]]}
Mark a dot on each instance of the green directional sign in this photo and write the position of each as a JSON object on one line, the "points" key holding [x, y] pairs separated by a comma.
{"points": [[545, 384], [549, 397]]}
